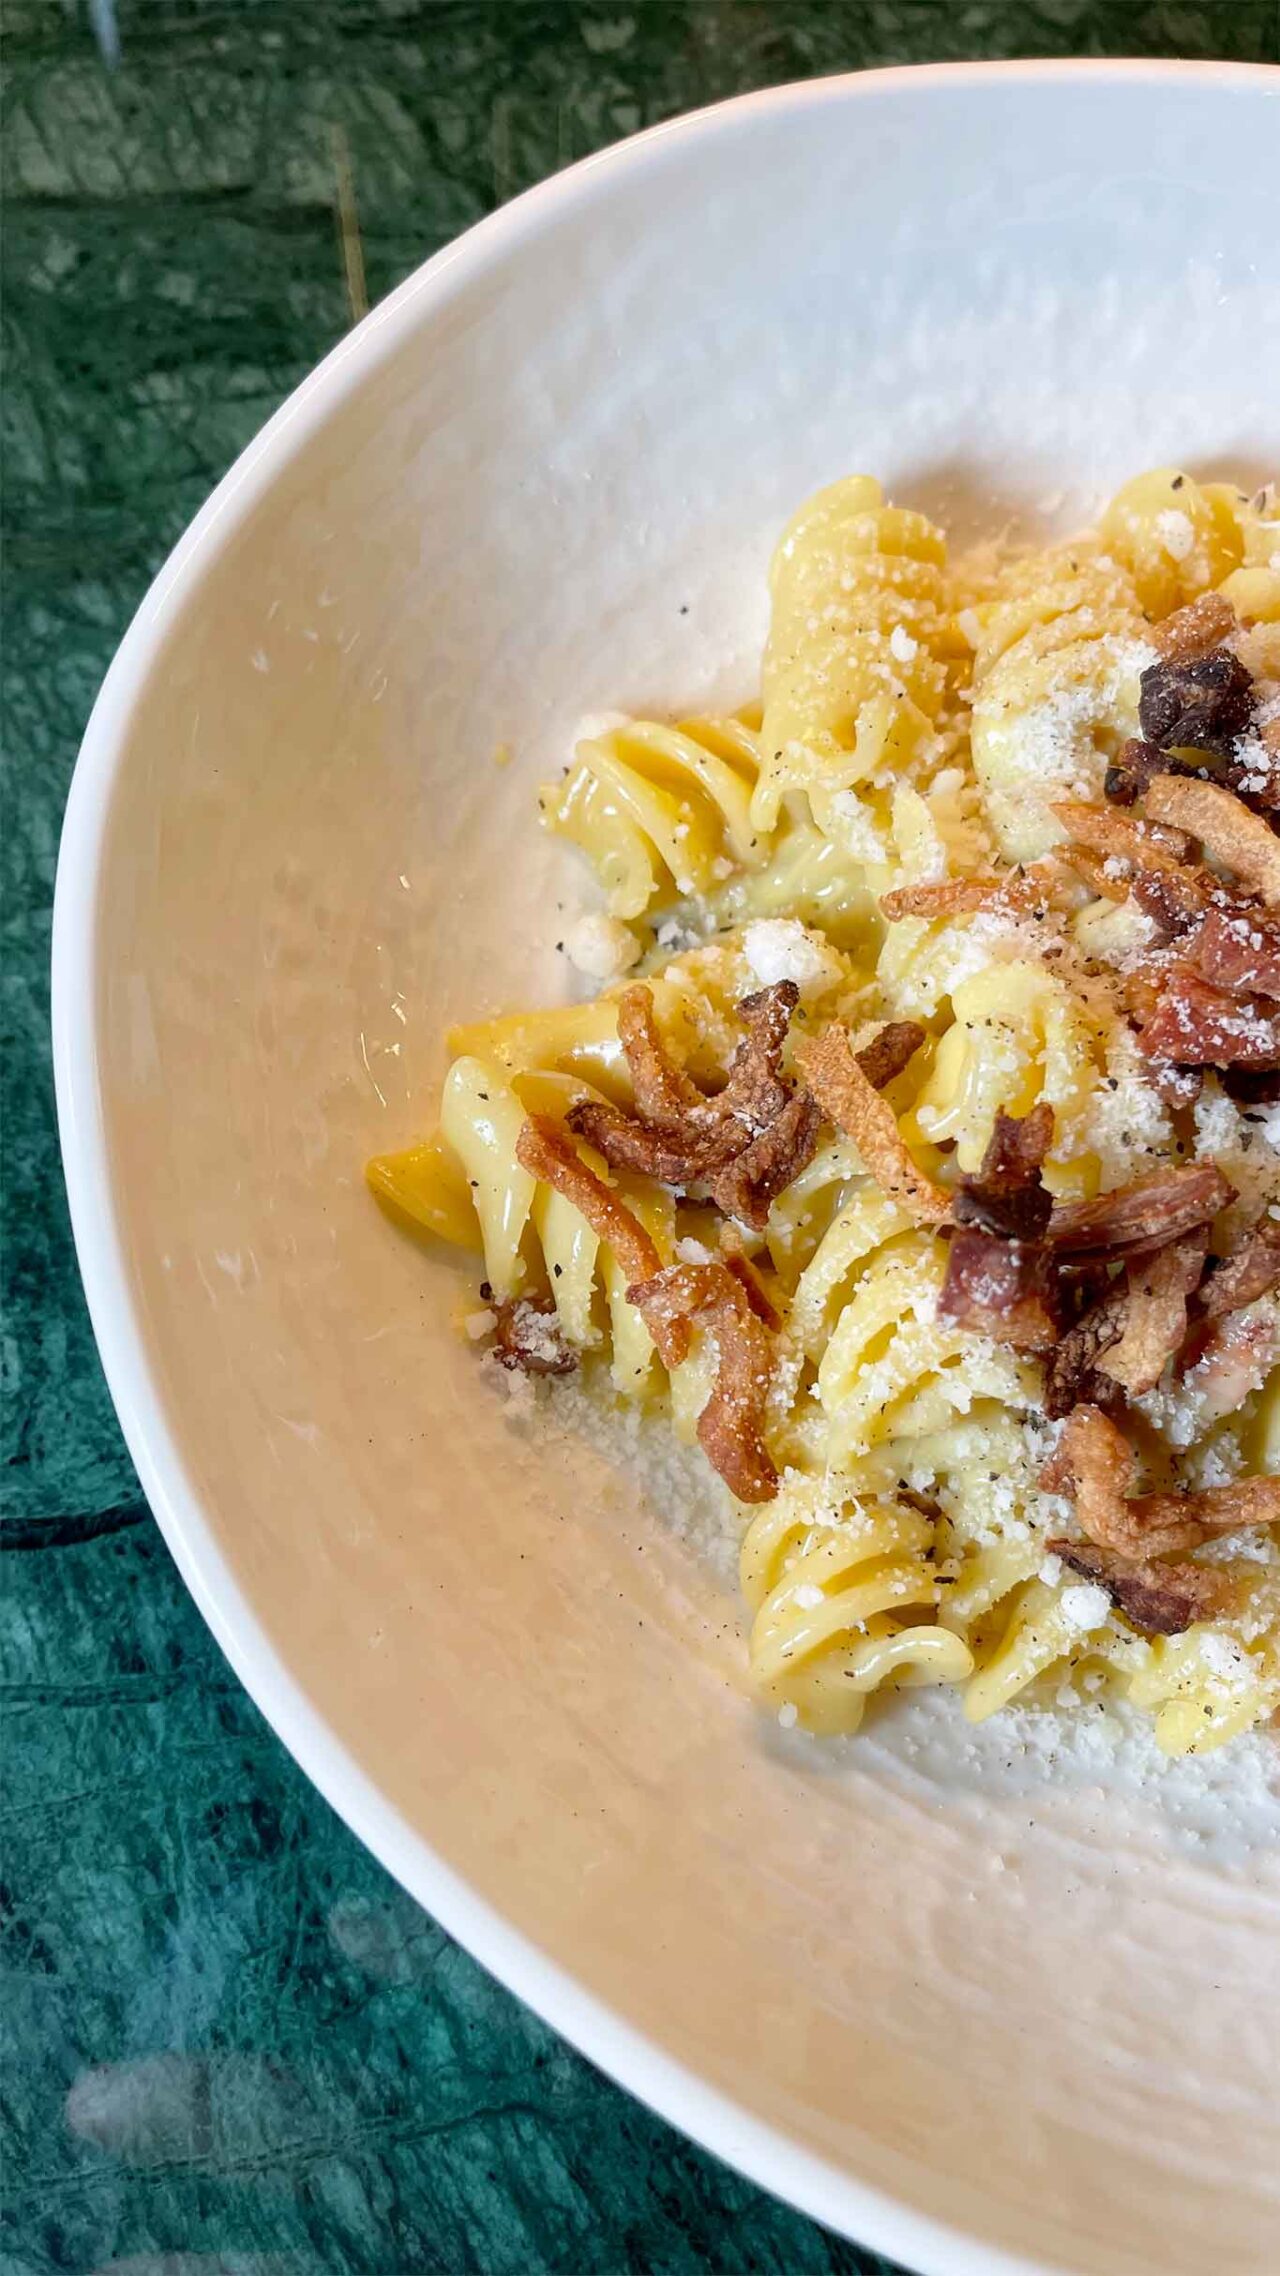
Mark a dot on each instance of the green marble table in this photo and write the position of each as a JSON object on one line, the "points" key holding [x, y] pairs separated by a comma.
{"points": [[233, 2047]]}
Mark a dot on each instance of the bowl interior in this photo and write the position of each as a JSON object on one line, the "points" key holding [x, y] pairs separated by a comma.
{"points": [[547, 486]]}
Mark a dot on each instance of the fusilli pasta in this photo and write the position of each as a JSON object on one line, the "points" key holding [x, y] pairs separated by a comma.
{"points": [[894, 1333]]}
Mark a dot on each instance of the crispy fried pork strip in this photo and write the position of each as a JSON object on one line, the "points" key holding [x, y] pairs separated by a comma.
{"points": [[527, 1338], [746, 1144], [665, 1096], [548, 1153], [1008, 1195], [731, 1425], [1250, 1271], [1243, 842], [1238, 949], [1157, 1293], [1072, 1375], [1161, 1600], [674, 1154], [890, 1050], [1095, 1461], [1122, 837], [1139, 858], [1002, 1288], [663, 1091], [749, 1182], [1193, 631], [1021, 892], [755, 1093], [1148, 1214], [1195, 1024], [849, 1100], [735, 1258]]}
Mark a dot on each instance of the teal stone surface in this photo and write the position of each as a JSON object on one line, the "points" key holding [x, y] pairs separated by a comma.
{"points": [[232, 2046]]}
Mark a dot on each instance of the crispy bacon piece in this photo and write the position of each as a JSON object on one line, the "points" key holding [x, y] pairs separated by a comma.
{"points": [[1161, 1600], [1252, 1270], [674, 1155], [1164, 896], [890, 1051], [746, 1144], [1001, 1288], [1147, 1214], [663, 1091], [755, 1092], [1110, 880], [1072, 1376], [1008, 1195], [527, 1338], [1196, 629], [1138, 858], [1242, 841], [750, 1182], [1196, 1024], [849, 1100], [1095, 1461], [1155, 1313], [1131, 770], [941, 897], [1141, 986], [1177, 1086], [1202, 702], [1017, 1148], [547, 1152], [1021, 893], [667, 1097], [731, 1425], [736, 1261], [1239, 949], [1121, 837], [1170, 1523], [1229, 1359], [743, 1179]]}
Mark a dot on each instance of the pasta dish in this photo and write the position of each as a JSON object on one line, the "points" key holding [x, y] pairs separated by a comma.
{"points": [[918, 1156]]}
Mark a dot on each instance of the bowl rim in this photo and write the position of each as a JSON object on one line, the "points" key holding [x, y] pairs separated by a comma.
{"points": [[764, 2153]]}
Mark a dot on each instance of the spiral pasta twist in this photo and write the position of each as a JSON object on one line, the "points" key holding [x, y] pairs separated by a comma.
{"points": [[1206, 1686], [534, 1241], [841, 1594], [1176, 537], [1059, 650], [1253, 588], [936, 834], [660, 811], [1201, 1688], [854, 675], [1019, 1035], [865, 1314]]}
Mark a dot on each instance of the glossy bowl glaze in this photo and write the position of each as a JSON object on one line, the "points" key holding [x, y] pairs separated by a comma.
{"points": [[982, 2021]]}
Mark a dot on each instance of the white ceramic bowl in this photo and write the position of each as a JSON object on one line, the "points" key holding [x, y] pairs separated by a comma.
{"points": [[289, 858]]}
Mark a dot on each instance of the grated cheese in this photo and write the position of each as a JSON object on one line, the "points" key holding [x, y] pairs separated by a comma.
{"points": [[1177, 536], [1085, 1607], [780, 948], [601, 947]]}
